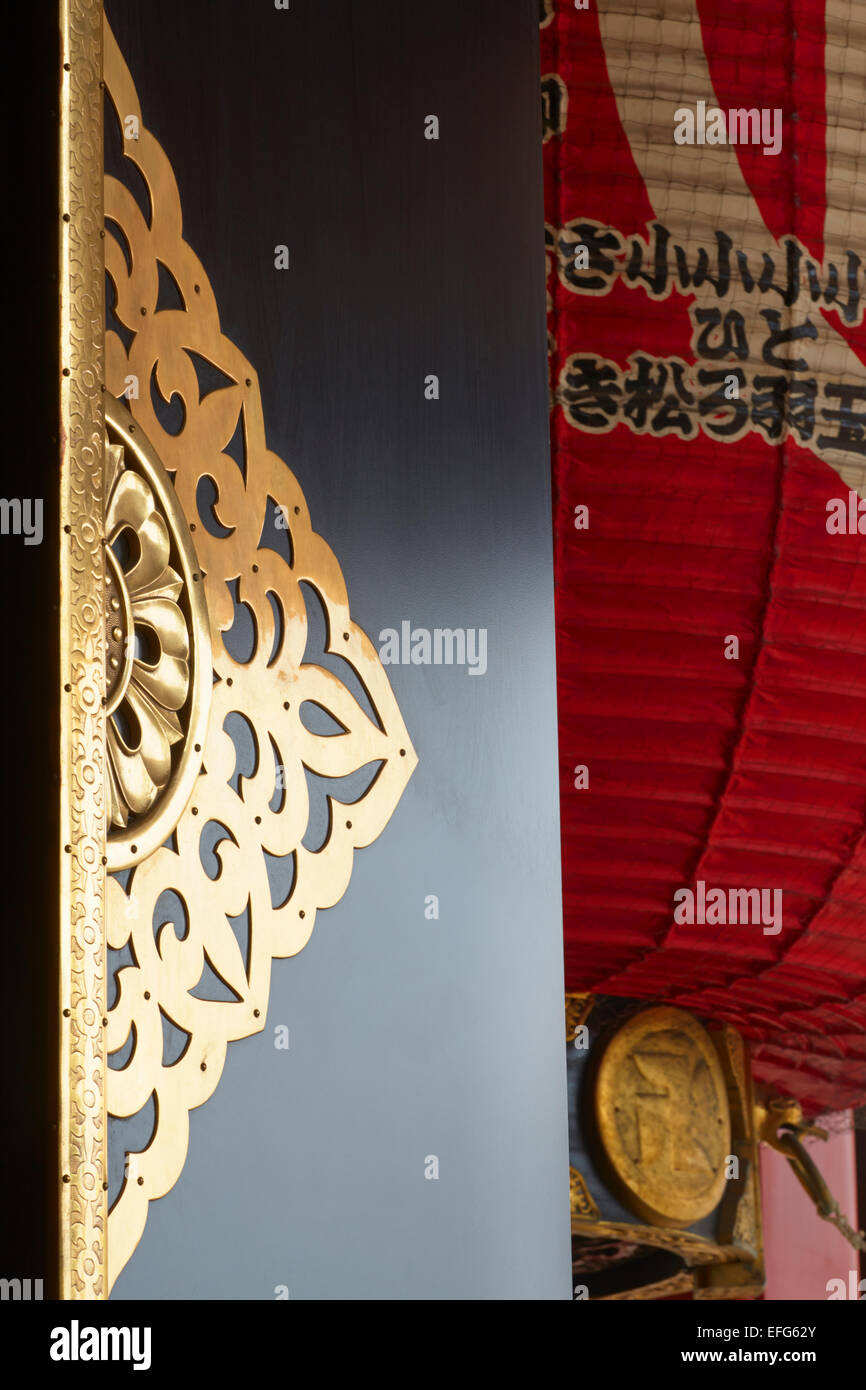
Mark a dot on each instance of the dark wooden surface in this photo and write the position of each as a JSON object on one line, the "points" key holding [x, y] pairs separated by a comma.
{"points": [[29, 834]]}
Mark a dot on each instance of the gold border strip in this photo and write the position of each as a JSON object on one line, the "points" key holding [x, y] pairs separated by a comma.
{"points": [[82, 1127]]}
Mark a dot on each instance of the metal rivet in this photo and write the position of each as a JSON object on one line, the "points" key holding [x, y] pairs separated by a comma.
{"points": [[302, 913], [67, 1013]]}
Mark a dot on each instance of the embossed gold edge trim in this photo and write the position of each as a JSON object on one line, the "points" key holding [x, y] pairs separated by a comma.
{"points": [[81, 1122]]}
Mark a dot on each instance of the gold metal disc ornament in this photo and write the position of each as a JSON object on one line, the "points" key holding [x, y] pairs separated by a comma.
{"points": [[662, 1116], [158, 649]]}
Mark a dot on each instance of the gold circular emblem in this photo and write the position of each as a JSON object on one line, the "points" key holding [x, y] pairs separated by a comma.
{"points": [[158, 669], [661, 1110]]}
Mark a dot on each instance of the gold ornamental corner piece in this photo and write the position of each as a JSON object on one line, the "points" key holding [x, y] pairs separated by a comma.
{"points": [[154, 778], [663, 1117]]}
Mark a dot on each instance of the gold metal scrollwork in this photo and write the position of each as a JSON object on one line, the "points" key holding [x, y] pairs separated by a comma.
{"points": [[176, 772]]}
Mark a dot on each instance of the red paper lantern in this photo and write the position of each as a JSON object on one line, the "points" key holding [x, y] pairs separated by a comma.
{"points": [[709, 442]]}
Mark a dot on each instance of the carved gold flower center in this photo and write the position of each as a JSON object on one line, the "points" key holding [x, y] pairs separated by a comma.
{"points": [[157, 647], [118, 629]]}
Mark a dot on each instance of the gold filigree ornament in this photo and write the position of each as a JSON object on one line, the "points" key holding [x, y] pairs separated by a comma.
{"points": [[172, 685]]}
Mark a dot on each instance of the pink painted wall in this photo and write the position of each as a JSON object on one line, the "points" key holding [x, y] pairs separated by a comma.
{"points": [[803, 1252]]}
